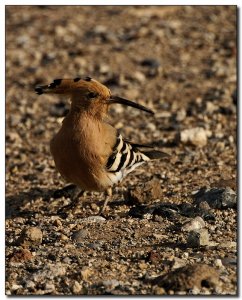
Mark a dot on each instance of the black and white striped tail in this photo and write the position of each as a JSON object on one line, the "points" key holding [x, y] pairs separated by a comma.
{"points": [[126, 157]]}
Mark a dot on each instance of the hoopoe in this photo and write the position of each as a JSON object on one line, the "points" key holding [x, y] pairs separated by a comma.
{"points": [[87, 150]]}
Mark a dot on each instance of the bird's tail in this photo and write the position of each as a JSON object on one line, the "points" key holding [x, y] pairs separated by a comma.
{"points": [[155, 154], [62, 86]]}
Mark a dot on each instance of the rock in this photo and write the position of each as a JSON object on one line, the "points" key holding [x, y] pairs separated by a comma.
{"points": [[49, 272], [197, 136], [111, 283], [218, 263], [94, 219], [21, 255], [141, 211], [154, 257], [220, 198], [152, 66], [76, 288], [139, 76], [228, 244], [146, 193], [197, 238], [86, 273], [80, 235], [30, 236], [181, 115], [189, 277], [150, 62], [195, 224], [159, 291], [178, 263], [229, 261]]}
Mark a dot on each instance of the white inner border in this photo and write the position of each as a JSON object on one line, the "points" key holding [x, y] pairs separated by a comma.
{"points": [[2, 109]]}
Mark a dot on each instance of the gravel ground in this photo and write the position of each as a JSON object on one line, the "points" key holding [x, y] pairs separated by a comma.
{"points": [[171, 226]]}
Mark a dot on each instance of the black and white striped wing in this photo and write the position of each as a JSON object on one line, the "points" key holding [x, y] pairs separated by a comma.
{"points": [[124, 159]]}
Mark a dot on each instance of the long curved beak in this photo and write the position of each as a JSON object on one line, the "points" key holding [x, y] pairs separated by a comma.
{"points": [[119, 100]]}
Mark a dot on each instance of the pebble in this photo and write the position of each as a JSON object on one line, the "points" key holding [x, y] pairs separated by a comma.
{"points": [[189, 277], [178, 263], [111, 283], [86, 273], [197, 136], [31, 236], [181, 115], [80, 235], [94, 219], [76, 288], [195, 224], [150, 62], [220, 198], [197, 238], [218, 263], [228, 245], [21, 255], [139, 76]]}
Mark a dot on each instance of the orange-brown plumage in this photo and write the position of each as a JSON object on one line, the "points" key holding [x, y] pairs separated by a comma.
{"points": [[87, 150]]}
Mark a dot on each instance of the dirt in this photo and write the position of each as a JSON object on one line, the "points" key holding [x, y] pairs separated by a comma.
{"points": [[179, 61]]}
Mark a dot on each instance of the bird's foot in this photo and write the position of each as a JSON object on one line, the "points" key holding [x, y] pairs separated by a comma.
{"points": [[108, 196]]}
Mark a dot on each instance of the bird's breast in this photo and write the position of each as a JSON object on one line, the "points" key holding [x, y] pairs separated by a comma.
{"points": [[78, 158]]}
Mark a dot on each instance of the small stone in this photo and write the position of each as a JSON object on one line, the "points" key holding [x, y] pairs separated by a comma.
{"points": [[21, 256], [15, 287], [142, 265], [64, 237], [49, 287], [218, 263], [189, 277], [178, 263], [30, 236], [80, 235], [197, 238], [154, 257], [111, 284], [140, 77], [195, 224], [86, 273], [76, 288], [150, 62], [220, 198], [229, 261], [181, 115], [94, 219], [57, 223], [30, 284], [148, 192], [159, 291], [228, 245], [211, 107], [197, 136]]}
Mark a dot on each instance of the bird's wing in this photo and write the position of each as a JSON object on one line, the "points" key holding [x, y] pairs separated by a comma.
{"points": [[126, 156]]}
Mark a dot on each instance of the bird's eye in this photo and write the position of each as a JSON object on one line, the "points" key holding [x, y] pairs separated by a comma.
{"points": [[92, 95]]}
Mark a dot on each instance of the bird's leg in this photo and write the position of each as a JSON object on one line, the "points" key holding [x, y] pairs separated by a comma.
{"points": [[75, 195], [108, 195]]}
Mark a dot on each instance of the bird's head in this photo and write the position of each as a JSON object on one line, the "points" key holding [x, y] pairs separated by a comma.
{"points": [[87, 95]]}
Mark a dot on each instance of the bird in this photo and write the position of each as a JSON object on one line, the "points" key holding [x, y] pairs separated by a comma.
{"points": [[88, 151]]}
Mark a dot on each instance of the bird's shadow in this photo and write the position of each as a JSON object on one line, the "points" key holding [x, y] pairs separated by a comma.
{"points": [[19, 205], [15, 203]]}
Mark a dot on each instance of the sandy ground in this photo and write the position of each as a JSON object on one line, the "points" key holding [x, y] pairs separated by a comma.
{"points": [[170, 227]]}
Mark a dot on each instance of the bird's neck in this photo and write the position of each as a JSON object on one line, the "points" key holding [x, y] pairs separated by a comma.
{"points": [[96, 112]]}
